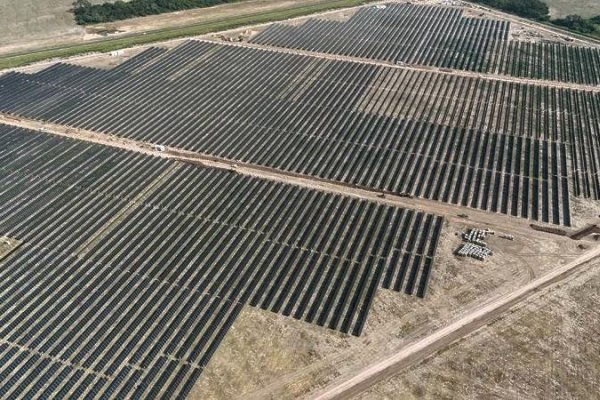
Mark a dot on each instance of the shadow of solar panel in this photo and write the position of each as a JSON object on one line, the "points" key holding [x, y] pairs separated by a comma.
{"points": [[135, 303]]}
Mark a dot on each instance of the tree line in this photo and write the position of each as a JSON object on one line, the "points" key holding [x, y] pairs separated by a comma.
{"points": [[534, 9], [578, 24], [88, 13]]}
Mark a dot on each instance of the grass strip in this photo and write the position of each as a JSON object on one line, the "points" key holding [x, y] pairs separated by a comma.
{"points": [[112, 44]]}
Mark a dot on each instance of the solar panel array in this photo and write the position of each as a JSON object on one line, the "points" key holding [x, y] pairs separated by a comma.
{"points": [[551, 61], [400, 32], [438, 36], [349, 122], [134, 268]]}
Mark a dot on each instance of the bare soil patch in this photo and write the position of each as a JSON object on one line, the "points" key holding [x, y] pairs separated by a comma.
{"points": [[549, 347], [270, 356]]}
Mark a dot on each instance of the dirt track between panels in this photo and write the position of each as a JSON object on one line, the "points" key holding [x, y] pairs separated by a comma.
{"points": [[472, 321], [415, 350], [415, 67], [449, 211]]}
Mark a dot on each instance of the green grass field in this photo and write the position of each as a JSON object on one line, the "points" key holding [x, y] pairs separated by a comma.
{"points": [[111, 44], [584, 8]]}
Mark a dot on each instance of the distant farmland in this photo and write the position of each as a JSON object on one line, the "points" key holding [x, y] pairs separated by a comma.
{"points": [[585, 8], [291, 169], [29, 19]]}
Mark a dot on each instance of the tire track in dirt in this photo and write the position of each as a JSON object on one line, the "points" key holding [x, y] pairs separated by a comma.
{"points": [[467, 324]]}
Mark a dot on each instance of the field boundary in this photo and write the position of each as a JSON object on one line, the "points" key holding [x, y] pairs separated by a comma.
{"points": [[15, 60]]}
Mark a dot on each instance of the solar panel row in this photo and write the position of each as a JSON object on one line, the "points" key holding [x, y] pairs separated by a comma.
{"points": [[134, 268], [359, 124], [438, 36]]}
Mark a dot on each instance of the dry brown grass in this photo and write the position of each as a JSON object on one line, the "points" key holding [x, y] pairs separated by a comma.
{"points": [[548, 348], [585, 8], [268, 356], [22, 20]]}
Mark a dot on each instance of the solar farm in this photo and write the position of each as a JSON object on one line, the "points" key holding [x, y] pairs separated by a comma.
{"points": [[442, 37], [310, 180], [477, 151]]}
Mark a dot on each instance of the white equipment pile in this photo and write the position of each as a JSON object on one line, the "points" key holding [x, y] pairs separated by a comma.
{"points": [[474, 251], [475, 236], [475, 245]]}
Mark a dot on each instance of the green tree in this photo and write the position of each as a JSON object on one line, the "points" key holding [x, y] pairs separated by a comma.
{"points": [[576, 23]]}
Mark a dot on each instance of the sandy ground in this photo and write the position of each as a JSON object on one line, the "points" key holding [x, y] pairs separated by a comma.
{"points": [[7, 246], [457, 330], [548, 348], [269, 356]]}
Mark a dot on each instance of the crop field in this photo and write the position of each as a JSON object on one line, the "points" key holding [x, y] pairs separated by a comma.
{"points": [[31, 19], [498, 146], [104, 229], [562, 8], [438, 36]]}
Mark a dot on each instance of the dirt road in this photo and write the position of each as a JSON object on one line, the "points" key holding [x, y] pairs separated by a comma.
{"points": [[425, 347], [412, 67], [553, 30], [449, 211]]}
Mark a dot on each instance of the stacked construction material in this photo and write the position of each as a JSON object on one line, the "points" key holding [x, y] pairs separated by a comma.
{"points": [[476, 236], [475, 245], [474, 251]]}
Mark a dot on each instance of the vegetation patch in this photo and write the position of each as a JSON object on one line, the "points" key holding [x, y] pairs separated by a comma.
{"points": [[87, 13], [539, 11], [111, 44], [579, 24], [534, 9]]}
